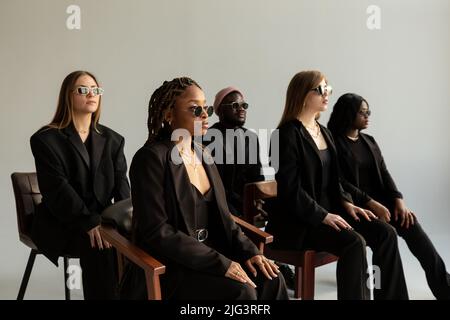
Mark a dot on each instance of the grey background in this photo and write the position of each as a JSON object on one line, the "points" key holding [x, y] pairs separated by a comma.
{"points": [[403, 70]]}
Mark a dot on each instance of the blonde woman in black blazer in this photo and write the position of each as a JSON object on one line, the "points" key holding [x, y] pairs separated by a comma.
{"points": [[313, 210], [180, 213], [363, 166], [81, 167]]}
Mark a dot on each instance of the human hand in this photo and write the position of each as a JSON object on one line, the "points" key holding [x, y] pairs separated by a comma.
{"points": [[267, 267], [379, 210], [236, 272], [336, 221], [96, 239], [354, 211], [407, 217]]}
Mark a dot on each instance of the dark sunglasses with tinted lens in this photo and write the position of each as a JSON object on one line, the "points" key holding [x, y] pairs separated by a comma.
{"points": [[84, 91], [198, 110], [237, 105], [365, 113], [321, 90]]}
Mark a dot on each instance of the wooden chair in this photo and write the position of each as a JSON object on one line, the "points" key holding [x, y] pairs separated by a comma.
{"points": [[152, 267], [304, 262], [28, 196]]}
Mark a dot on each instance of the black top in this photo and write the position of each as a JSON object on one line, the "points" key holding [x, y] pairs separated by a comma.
{"points": [[203, 204], [234, 171], [366, 167], [207, 217]]}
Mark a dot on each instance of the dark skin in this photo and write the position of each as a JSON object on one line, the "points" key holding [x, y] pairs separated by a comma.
{"points": [[230, 117], [401, 211]]}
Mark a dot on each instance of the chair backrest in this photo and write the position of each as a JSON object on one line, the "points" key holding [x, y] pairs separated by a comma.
{"points": [[255, 191], [28, 196], [120, 216]]}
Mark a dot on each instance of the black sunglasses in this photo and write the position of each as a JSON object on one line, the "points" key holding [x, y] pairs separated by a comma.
{"points": [[365, 113], [321, 90], [198, 110], [237, 105]]}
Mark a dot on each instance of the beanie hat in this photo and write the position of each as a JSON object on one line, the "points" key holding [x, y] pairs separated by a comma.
{"points": [[222, 94]]}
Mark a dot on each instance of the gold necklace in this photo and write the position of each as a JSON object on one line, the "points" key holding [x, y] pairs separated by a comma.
{"points": [[311, 130], [189, 160]]}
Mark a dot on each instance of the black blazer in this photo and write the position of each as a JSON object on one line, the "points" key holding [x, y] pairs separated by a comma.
{"points": [[299, 185], [350, 168], [75, 187], [164, 217]]}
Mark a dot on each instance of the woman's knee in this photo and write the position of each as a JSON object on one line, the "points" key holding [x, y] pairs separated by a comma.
{"points": [[245, 292], [356, 240], [386, 231]]}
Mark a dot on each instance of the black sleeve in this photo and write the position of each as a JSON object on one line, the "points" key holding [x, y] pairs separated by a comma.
{"points": [[121, 185], [147, 175], [389, 184], [289, 181], [59, 196], [359, 197]]}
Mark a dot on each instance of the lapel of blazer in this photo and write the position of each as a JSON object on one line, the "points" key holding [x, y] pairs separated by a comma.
{"points": [[76, 142], [308, 138], [98, 144], [183, 189], [374, 154]]}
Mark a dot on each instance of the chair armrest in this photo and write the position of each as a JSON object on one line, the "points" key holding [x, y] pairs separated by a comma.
{"points": [[152, 267], [259, 237]]}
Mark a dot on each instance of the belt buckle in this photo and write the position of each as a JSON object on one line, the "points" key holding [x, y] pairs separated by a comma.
{"points": [[201, 234]]}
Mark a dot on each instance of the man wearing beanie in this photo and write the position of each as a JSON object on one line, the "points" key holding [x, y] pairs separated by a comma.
{"points": [[240, 163]]}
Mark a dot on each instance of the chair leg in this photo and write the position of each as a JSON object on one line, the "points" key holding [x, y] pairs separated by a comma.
{"points": [[308, 276], [26, 275], [298, 282], [66, 278]]}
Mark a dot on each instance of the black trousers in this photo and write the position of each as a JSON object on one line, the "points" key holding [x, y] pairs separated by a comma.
{"points": [[203, 286], [351, 269], [382, 239], [423, 249], [99, 268]]}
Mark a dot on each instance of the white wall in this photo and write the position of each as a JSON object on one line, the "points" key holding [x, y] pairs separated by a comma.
{"points": [[403, 70]]}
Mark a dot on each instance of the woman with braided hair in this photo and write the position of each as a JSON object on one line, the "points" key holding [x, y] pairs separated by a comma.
{"points": [[180, 212]]}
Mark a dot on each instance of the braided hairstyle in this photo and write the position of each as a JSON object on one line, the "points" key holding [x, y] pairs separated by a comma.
{"points": [[163, 99]]}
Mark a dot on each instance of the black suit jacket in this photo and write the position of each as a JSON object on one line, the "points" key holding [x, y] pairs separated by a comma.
{"points": [[299, 185], [75, 187], [164, 218], [350, 168]]}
